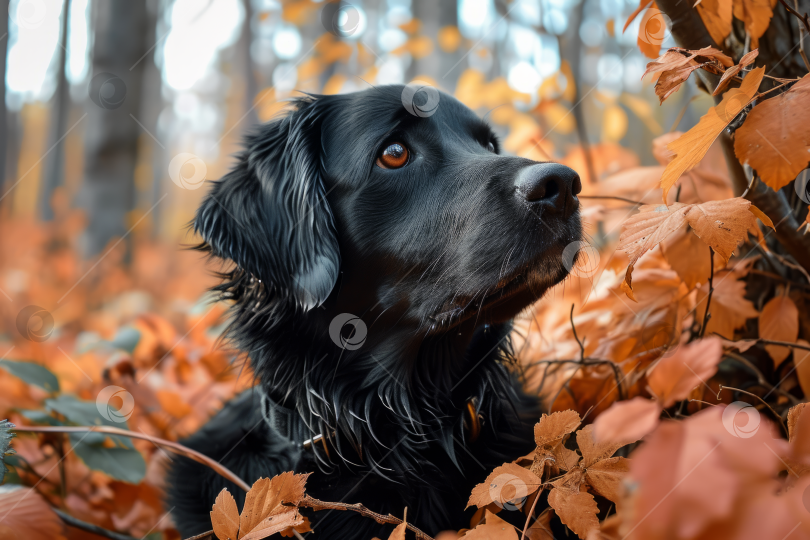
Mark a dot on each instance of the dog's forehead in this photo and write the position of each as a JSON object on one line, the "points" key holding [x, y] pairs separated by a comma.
{"points": [[368, 116]]}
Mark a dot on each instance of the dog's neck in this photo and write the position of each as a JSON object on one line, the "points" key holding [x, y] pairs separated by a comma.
{"points": [[400, 389]]}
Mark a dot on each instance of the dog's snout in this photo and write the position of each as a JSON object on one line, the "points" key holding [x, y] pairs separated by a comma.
{"points": [[550, 184]]}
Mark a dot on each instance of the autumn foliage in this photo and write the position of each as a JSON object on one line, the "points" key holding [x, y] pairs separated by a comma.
{"points": [[672, 362]]}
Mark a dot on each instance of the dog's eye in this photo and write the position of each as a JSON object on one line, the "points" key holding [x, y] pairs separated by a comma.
{"points": [[491, 147], [393, 157]]}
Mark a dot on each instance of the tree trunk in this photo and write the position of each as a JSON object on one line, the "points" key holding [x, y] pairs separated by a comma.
{"points": [[60, 110], [111, 134]]}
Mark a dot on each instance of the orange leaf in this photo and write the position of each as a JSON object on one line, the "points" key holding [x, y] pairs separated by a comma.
{"points": [[593, 451], [774, 138], [690, 148], [755, 15], [493, 528], [801, 359], [716, 15], [779, 321], [606, 476], [507, 483], [274, 524], [652, 31], [641, 7], [265, 497], [673, 377], [576, 509], [734, 70], [730, 309], [399, 532], [26, 515], [449, 39], [631, 419], [225, 516], [553, 427]]}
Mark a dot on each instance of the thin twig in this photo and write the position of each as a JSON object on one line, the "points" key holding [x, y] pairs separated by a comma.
{"points": [[704, 402], [707, 315], [631, 201], [574, 328], [531, 513], [89, 527], [781, 423], [315, 504], [169, 445]]}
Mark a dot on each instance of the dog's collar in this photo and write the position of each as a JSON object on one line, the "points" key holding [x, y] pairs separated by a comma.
{"points": [[289, 424]]}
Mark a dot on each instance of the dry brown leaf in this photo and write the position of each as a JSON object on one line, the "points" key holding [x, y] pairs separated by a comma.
{"points": [[677, 64], [730, 309], [755, 15], [801, 360], [793, 417], [690, 148], [225, 516], [720, 224], [399, 532], [651, 32], [641, 7], [688, 256], [264, 500], [774, 138], [27, 516], [540, 529], [627, 420], [505, 483], [493, 528], [553, 427], [779, 321], [716, 15], [731, 72], [576, 509], [606, 476], [674, 376], [274, 524], [593, 451]]}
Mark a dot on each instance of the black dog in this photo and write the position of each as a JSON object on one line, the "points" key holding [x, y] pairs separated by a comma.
{"points": [[380, 252]]}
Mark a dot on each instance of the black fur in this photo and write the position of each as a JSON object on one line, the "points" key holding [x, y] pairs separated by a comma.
{"points": [[435, 258]]}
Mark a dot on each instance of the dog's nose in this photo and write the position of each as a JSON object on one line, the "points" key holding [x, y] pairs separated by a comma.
{"points": [[550, 184]]}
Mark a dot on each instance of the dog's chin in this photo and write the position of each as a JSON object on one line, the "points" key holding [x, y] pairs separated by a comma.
{"points": [[509, 297]]}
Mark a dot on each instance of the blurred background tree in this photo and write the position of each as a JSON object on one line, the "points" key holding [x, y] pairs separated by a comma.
{"points": [[101, 96]]}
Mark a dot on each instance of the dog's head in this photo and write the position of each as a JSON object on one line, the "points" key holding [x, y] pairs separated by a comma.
{"points": [[394, 205]]}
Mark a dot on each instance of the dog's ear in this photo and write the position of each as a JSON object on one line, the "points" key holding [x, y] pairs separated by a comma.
{"points": [[270, 215]]}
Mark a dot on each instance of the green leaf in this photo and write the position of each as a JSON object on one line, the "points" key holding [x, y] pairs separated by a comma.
{"points": [[32, 374], [126, 339], [40, 417], [86, 413], [5, 445], [125, 464]]}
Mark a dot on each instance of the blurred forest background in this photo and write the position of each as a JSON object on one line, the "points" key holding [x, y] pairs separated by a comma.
{"points": [[117, 112]]}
